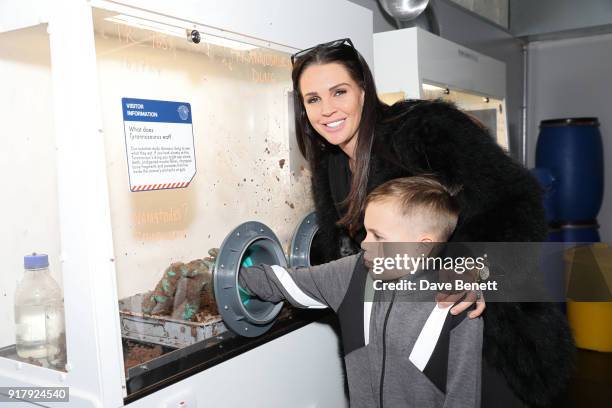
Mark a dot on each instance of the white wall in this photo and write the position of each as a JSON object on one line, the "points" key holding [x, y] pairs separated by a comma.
{"points": [[573, 78]]}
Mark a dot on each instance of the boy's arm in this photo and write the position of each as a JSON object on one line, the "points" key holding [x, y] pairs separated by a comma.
{"points": [[312, 287], [464, 365]]}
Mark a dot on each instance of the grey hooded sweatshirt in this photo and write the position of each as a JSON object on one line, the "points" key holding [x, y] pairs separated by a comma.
{"points": [[399, 350]]}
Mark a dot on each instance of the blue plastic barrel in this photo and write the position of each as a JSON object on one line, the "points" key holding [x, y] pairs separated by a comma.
{"points": [[572, 150], [580, 232], [548, 184]]}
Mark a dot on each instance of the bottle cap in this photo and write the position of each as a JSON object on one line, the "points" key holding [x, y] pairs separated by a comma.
{"points": [[36, 261]]}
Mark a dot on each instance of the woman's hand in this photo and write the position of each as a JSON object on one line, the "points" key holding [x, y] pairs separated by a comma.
{"points": [[464, 299], [471, 297]]}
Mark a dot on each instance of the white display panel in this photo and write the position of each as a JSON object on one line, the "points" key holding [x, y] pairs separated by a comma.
{"points": [[413, 63]]}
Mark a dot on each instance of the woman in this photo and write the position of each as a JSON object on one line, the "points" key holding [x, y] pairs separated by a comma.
{"points": [[354, 143]]}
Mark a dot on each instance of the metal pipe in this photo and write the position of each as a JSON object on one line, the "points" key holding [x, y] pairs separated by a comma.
{"points": [[524, 111], [427, 20]]}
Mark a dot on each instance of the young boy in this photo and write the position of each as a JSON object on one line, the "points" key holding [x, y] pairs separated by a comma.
{"points": [[399, 351]]}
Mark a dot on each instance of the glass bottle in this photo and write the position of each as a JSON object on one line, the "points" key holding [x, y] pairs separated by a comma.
{"points": [[38, 311]]}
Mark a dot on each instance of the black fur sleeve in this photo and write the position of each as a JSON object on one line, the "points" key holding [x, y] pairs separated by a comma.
{"points": [[500, 200], [529, 343]]}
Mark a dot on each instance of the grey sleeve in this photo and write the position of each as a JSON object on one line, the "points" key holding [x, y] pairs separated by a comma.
{"points": [[312, 287], [465, 365]]}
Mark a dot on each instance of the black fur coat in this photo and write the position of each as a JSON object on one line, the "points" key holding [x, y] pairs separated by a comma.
{"points": [[527, 344]]}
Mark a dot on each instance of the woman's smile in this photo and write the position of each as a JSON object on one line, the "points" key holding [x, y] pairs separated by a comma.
{"points": [[335, 126], [333, 102]]}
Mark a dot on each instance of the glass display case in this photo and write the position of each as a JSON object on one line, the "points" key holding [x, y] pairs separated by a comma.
{"points": [[488, 111], [197, 141], [142, 135]]}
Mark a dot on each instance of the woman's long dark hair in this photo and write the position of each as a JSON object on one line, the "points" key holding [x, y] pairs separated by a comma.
{"points": [[314, 147]]}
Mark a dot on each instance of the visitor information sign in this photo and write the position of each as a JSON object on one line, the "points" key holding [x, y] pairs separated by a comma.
{"points": [[159, 144]]}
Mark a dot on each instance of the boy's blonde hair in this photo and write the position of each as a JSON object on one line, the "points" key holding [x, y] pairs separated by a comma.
{"points": [[424, 196]]}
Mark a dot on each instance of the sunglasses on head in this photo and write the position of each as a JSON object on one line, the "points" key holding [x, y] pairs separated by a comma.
{"points": [[331, 44]]}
